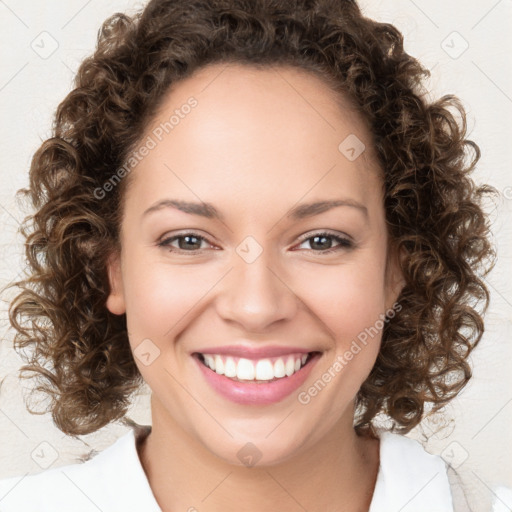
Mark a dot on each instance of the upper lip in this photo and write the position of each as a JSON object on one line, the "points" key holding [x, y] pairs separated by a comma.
{"points": [[251, 352]]}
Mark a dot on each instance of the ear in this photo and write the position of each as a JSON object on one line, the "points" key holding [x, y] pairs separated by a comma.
{"points": [[115, 301], [395, 280]]}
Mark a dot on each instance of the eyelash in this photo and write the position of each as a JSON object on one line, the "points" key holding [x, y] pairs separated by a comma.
{"points": [[344, 243]]}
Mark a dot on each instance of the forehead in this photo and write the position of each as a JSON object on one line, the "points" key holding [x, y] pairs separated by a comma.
{"points": [[266, 132], [222, 89]]}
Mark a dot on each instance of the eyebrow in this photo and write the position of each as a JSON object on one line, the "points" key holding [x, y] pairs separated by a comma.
{"points": [[299, 212]]}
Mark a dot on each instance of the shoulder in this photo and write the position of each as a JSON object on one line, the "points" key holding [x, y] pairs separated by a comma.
{"points": [[411, 452], [82, 487], [409, 478]]}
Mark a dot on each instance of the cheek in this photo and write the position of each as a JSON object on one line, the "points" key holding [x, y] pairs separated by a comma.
{"points": [[159, 297], [346, 299], [350, 304]]}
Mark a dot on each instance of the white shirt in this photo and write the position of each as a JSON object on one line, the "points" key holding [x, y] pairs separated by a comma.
{"points": [[409, 480]]}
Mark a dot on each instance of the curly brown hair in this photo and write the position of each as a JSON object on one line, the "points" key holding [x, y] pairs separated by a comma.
{"points": [[434, 210]]}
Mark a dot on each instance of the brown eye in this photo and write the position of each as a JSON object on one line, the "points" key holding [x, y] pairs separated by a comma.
{"points": [[322, 243], [187, 242]]}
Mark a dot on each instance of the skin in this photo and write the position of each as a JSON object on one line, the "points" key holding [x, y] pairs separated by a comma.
{"points": [[258, 143]]}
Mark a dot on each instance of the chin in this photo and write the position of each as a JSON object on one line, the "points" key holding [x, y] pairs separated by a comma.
{"points": [[255, 454]]}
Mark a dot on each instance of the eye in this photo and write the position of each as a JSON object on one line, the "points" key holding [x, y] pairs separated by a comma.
{"points": [[191, 242], [185, 241], [321, 242]]}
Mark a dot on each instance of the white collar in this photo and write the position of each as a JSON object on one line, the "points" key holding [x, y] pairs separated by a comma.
{"points": [[410, 479]]}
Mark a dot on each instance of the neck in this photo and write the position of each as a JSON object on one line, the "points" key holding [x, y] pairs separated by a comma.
{"points": [[337, 473]]}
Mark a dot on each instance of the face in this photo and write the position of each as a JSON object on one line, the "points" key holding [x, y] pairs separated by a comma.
{"points": [[223, 263]]}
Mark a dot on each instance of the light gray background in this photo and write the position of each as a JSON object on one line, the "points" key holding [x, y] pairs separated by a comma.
{"points": [[42, 44]]}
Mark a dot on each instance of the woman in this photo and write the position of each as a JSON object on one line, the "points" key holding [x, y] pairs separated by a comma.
{"points": [[252, 207]]}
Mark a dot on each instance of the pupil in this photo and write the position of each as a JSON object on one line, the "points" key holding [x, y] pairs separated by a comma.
{"points": [[186, 239], [321, 237]]}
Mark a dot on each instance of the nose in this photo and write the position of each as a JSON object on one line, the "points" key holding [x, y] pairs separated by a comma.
{"points": [[256, 295]]}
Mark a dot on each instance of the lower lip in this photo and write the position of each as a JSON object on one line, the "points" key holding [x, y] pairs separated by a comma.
{"points": [[254, 393]]}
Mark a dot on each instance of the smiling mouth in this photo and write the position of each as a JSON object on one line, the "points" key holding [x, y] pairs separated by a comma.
{"points": [[263, 370]]}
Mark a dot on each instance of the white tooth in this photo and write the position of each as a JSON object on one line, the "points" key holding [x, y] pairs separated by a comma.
{"points": [[210, 361], [290, 366], [230, 367], [219, 365], [279, 368], [304, 357], [264, 370], [245, 369], [297, 365]]}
